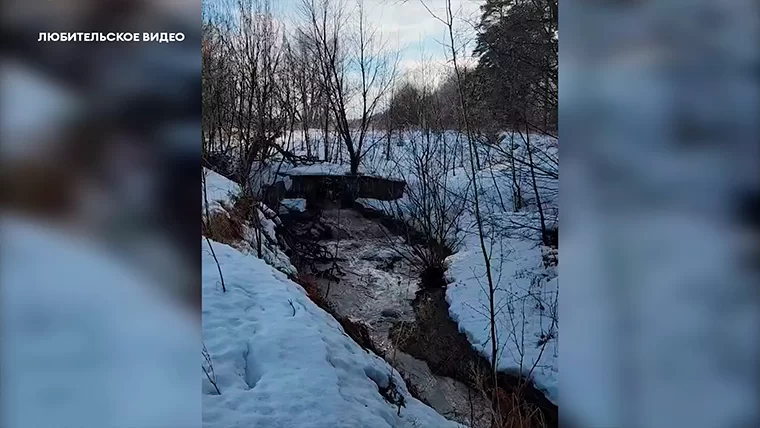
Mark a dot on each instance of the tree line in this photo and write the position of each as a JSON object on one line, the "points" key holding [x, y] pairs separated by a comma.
{"points": [[266, 86]]}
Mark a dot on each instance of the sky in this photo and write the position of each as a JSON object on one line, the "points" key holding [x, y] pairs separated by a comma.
{"points": [[410, 28]]}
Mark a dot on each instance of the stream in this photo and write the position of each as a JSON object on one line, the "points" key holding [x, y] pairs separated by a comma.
{"points": [[372, 284]]}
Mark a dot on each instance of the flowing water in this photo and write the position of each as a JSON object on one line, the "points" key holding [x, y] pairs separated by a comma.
{"points": [[375, 285]]}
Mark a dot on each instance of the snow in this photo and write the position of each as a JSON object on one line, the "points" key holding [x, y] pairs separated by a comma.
{"points": [[521, 280], [516, 263], [522, 284], [296, 205], [264, 175], [374, 204], [330, 168], [218, 187], [220, 191], [88, 343], [325, 168], [279, 360], [522, 288]]}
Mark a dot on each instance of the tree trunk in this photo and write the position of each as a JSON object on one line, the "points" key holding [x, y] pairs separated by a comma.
{"points": [[326, 135], [354, 161], [516, 190], [544, 236]]}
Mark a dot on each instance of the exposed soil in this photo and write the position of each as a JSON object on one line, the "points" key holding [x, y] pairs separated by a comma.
{"points": [[433, 337]]}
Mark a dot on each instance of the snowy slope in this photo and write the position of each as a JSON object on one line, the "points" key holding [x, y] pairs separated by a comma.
{"points": [[281, 361], [219, 192], [526, 293], [218, 187]]}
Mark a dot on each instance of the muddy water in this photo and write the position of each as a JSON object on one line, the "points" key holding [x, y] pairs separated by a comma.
{"points": [[376, 286]]}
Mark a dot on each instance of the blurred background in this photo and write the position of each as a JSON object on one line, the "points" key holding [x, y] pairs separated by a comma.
{"points": [[99, 192], [660, 198]]}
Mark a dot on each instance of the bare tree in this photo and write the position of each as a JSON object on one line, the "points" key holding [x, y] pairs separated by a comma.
{"points": [[304, 70], [431, 210], [246, 97], [449, 22], [357, 70], [218, 92]]}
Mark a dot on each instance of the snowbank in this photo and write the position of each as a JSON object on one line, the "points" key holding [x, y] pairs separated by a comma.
{"points": [[220, 191], [281, 361], [524, 287], [218, 187], [525, 299]]}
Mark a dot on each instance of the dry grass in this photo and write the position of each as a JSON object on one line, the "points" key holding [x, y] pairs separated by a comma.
{"points": [[515, 412], [223, 226], [509, 409]]}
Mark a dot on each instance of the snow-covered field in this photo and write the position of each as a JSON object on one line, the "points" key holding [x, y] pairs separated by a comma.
{"points": [[281, 361]]}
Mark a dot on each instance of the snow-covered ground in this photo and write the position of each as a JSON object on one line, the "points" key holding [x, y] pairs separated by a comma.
{"points": [[219, 193], [526, 292], [525, 303], [281, 361], [525, 297], [218, 187]]}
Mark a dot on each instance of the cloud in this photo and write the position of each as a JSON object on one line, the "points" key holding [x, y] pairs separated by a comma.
{"points": [[418, 33], [409, 27]]}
